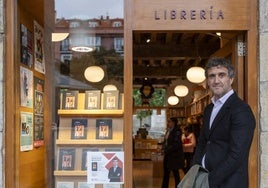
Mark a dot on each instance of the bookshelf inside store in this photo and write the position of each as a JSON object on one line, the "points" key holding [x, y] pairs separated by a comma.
{"points": [[87, 128]]}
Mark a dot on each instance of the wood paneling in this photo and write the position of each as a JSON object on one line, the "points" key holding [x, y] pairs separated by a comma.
{"points": [[128, 68], [24, 169], [10, 156]]}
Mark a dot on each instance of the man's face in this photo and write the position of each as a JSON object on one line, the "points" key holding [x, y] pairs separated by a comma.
{"points": [[219, 81], [115, 162], [170, 124]]}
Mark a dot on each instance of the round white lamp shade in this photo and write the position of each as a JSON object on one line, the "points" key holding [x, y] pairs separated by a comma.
{"points": [[196, 75], [181, 90], [173, 100], [94, 74], [109, 87]]}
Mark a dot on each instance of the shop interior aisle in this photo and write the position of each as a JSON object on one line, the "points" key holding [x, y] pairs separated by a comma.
{"points": [[143, 175]]}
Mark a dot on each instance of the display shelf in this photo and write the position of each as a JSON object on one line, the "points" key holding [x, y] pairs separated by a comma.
{"points": [[95, 113], [144, 148], [196, 108], [88, 142], [176, 111], [86, 130], [70, 173]]}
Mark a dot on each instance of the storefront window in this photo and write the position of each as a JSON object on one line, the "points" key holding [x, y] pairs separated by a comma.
{"points": [[90, 128]]}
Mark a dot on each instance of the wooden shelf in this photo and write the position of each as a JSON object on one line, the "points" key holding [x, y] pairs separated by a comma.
{"points": [[70, 173], [144, 148], [95, 113], [88, 142]]}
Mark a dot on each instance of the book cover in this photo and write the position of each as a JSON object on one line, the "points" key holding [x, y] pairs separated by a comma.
{"points": [[79, 129], [65, 184], [92, 99], [104, 129], [85, 185], [84, 157], [66, 159], [110, 100], [70, 99]]}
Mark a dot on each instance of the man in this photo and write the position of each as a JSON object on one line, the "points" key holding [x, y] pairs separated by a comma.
{"points": [[115, 171], [226, 136]]}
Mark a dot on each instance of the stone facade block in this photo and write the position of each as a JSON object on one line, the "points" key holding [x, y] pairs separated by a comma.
{"points": [[263, 13], [263, 160], [1, 16], [263, 106], [263, 57], [1, 57]]}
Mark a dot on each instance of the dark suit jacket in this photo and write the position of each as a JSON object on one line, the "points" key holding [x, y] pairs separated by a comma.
{"points": [[114, 176], [173, 153], [227, 144]]}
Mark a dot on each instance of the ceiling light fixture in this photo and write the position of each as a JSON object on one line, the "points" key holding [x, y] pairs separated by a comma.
{"points": [[173, 100], [196, 74], [109, 87], [218, 34], [56, 37], [78, 43], [82, 49], [181, 90], [94, 74]]}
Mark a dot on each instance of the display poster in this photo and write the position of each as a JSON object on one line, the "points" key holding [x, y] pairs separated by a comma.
{"points": [[26, 131], [26, 87], [26, 46], [38, 112], [39, 59], [105, 167], [38, 131]]}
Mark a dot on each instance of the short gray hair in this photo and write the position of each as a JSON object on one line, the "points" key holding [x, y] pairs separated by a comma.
{"points": [[220, 61]]}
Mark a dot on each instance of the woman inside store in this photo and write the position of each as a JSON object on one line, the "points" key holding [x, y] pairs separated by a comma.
{"points": [[173, 152], [189, 143]]}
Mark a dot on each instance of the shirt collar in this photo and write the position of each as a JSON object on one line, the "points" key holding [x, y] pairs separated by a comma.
{"points": [[223, 99]]}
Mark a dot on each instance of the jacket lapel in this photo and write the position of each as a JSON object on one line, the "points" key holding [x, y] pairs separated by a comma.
{"points": [[224, 109]]}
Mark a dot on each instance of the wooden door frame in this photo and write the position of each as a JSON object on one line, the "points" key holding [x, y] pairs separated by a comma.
{"points": [[250, 83], [10, 157]]}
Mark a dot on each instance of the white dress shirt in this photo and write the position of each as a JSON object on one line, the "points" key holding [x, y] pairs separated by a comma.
{"points": [[216, 108]]}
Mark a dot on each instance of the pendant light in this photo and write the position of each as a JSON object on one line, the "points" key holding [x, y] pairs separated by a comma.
{"points": [[196, 75], [173, 100], [109, 87], [181, 90], [79, 43], [94, 74]]}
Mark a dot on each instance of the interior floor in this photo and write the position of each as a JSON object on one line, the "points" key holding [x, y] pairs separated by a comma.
{"points": [[144, 172]]}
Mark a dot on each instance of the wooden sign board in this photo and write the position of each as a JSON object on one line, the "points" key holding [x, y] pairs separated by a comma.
{"points": [[190, 15]]}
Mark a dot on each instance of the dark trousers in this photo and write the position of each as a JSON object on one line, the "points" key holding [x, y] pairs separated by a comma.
{"points": [[188, 161], [165, 183]]}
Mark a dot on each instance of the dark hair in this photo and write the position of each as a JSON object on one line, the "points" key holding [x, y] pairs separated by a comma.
{"points": [[189, 128], [220, 61], [174, 120]]}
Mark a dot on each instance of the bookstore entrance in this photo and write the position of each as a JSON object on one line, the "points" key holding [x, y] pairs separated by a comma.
{"points": [[166, 41], [161, 60]]}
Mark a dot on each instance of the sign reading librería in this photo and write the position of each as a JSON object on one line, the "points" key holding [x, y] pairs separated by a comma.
{"points": [[191, 14]]}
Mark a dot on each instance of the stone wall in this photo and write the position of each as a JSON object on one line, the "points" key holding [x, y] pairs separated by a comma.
{"points": [[263, 96], [1, 91]]}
